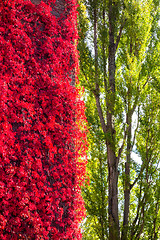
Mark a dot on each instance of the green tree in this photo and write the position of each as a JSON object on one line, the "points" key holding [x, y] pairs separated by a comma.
{"points": [[119, 60]]}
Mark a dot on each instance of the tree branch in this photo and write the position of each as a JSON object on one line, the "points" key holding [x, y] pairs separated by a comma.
{"points": [[135, 181], [103, 124], [120, 34], [96, 91], [122, 146], [135, 132], [142, 224]]}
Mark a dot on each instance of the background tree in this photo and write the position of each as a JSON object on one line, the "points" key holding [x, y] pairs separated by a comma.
{"points": [[40, 122], [119, 59]]}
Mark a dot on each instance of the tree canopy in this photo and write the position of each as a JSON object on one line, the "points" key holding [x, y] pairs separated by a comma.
{"points": [[120, 71]]}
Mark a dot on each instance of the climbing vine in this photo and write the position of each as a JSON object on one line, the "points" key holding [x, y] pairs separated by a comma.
{"points": [[42, 138]]}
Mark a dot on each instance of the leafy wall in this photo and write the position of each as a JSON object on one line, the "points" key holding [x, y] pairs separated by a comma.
{"points": [[41, 113]]}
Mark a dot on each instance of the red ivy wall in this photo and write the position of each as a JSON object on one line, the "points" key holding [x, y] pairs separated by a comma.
{"points": [[41, 116]]}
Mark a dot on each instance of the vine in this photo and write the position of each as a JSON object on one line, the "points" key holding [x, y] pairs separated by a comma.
{"points": [[41, 113]]}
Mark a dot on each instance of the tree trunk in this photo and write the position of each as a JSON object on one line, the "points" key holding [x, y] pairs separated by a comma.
{"points": [[114, 232], [113, 194], [102, 216]]}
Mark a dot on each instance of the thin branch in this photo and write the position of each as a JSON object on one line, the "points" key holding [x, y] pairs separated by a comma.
{"points": [[122, 146], [96, 91], [120, 34], [135, 181], [95, 46], [135, 103], [142, 224], [104, 55], [133, 231], [146, 81], [99, 108]]}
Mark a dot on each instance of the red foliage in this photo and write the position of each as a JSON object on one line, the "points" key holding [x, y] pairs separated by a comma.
{"points": [[40, 115]]}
